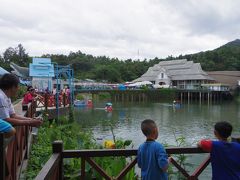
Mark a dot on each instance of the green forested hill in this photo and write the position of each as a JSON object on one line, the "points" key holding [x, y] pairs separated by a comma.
{"points": [[226, 57]]}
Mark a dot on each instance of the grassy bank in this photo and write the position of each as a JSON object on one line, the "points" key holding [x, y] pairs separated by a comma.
{"points": [[73, 138]]}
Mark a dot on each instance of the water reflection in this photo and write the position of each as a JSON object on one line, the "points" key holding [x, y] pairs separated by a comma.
{"points": [[193, 121]]}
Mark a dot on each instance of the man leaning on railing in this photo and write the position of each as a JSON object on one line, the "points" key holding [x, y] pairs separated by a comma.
{"points": [[9, 85]]}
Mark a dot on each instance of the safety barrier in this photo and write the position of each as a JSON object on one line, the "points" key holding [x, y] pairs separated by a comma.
{"points": [[14, 151], [48, 100], [53, 169]]}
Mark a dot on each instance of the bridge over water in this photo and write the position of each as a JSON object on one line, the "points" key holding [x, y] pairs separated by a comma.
{"points": [[142, 95]]}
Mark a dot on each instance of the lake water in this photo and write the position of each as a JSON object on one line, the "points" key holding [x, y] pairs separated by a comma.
{"points": [[193, 121]]}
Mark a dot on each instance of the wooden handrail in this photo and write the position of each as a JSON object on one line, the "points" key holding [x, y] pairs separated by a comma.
{"points": [[48, 100], [87, 155], [14, 150], [49, 167], [125, 152], [2, 155]]}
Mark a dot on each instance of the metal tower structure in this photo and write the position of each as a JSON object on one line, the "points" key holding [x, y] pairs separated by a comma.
{"points": [[66, 73]]}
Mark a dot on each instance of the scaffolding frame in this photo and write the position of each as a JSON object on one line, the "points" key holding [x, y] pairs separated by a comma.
{"points": [[61, 71]]}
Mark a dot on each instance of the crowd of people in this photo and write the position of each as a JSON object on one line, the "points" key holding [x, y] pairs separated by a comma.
{"points": [[151, 157], [63, 93], [33, 93]]}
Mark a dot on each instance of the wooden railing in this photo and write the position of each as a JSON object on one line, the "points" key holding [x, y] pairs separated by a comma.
{"points": [[14, 151], [53, 169], [48, 100]]}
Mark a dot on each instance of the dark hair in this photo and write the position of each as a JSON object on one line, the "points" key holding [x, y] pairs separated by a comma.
{"points": [[8, 81], [147, 126], [29, 88], [223, 128]]}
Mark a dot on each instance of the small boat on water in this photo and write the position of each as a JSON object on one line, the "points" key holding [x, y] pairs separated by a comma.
{"points": [[79, 103], [89, 103], [83, 103], [108, 107], [177, 104]]}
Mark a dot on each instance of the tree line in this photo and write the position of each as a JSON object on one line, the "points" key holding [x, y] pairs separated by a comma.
{"points": [[108, 69]]}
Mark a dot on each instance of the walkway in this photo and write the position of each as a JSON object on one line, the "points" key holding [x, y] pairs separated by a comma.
{"points": [[18, 108]]}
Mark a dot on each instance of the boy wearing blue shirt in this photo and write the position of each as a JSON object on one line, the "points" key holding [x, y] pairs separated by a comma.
{"points": [[151, 156], [224, 155], [6, 128]]}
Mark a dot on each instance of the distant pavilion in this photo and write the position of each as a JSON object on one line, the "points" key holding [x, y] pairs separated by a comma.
{"points": [[181, 74]]}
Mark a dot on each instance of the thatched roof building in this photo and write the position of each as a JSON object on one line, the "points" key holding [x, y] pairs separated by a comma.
{"points": [[179, 73]]}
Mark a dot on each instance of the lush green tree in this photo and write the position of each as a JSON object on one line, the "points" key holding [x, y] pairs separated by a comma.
{"points": [[4, 65], [107, 73], [17, 55], [226, 57]]}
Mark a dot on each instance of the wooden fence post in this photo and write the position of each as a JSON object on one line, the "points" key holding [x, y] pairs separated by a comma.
{"points": [[32, 110], [64, 99], [58, 148], [46, 101], [26, 141], [2, 157]]}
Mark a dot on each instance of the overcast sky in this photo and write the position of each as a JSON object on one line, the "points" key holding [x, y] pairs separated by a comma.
{"points": [[118, 28]]}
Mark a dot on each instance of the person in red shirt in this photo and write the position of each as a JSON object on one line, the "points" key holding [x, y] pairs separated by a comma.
{"points": [[224, 155], [28, 97]]}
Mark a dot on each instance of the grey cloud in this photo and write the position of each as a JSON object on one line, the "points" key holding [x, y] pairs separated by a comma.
{"points": [[118, 28], [208, 17]]}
